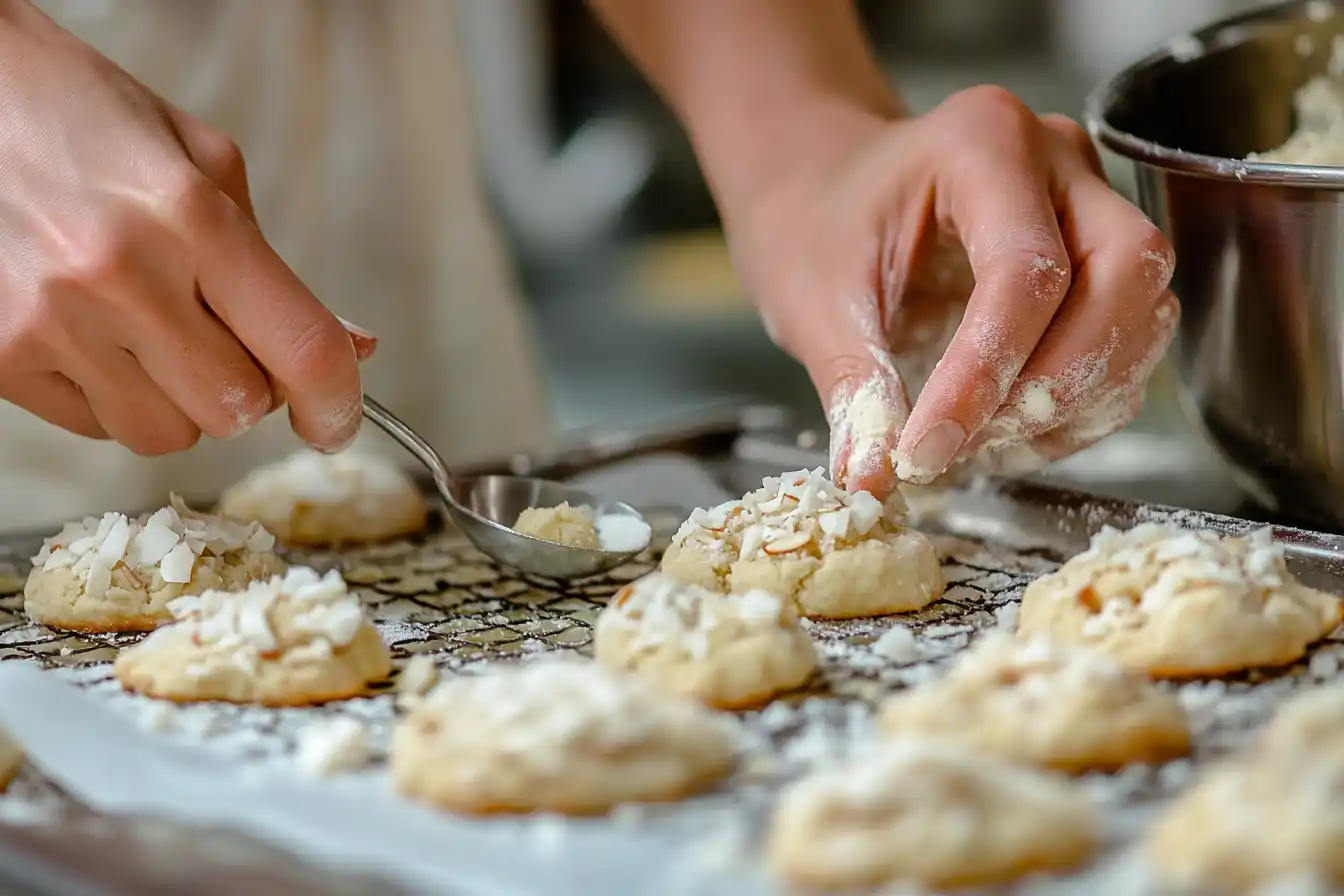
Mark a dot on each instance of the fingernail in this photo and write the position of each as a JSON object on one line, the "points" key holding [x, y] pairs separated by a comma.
{"points": [[933, 454], [356, 329], [365, 346]]}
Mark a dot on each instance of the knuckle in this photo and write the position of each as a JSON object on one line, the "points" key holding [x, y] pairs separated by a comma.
{"points": [[187, 197], [95, 258], [216, 154], [991, 102], [1036, 260], [1068, 130], [1155, 254], [986, 385]]}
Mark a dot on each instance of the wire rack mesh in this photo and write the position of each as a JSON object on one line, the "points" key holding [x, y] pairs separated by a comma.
{"points": [[436, 595]]}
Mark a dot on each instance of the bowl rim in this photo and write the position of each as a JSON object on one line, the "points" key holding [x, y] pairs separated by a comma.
{"points": [[1220, 34]]}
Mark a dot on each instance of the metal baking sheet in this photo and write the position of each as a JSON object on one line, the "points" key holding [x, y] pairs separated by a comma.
{"points": [[436, 595]]}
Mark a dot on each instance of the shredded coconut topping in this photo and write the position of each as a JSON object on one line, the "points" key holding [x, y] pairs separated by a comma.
{"points": [[661, 609], [1125, 576], [167, 544], [241, 624], [799, 512]]}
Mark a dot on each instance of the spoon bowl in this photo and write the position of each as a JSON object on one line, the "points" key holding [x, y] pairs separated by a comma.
{"points": [[485, 508]]}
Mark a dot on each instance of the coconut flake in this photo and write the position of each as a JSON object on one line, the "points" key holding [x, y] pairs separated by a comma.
{"points": [[177, 564]]}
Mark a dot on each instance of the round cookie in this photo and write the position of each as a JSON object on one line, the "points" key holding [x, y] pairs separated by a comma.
{"points": [[836, 555], [1061, 708], [562, 524], [1253, 821], [1175, 603], [729, 651], [11, 760], [329, 499], [563, 737], [293, 640], [119, 574], [1309, 722], [933, 814]]}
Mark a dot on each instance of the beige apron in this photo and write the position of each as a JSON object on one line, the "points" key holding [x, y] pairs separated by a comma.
{"points": [[354, 119]]}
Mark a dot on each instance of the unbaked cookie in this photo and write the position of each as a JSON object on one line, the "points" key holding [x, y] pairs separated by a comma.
{"points": [[730, 651], [11, 760], [837, 555], [562, 524], [1062, 708], [293, 640], [1175, 603], [1255, 820], [329, 499], [562, 737], [119, 574], [933, 814]]}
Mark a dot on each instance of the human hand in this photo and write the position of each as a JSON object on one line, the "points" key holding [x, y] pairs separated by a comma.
{"points": [[985, 225], [138, 299]]}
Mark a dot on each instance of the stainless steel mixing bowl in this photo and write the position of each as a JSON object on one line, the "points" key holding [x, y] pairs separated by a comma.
{"points": [[1260, 247]]}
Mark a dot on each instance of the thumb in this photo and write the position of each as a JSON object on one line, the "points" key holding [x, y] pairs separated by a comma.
{"points": [[866, 403]]}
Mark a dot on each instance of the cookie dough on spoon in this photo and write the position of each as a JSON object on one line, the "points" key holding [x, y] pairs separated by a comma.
{"points": [[580, 527]]}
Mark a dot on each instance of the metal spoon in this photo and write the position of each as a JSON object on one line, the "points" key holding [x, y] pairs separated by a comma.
{"points": [[486, 507]]}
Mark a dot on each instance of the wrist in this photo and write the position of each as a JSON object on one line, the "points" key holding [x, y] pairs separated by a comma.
{"points": [[747, 153]]}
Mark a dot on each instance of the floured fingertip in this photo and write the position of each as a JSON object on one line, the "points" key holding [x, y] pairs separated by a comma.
{"points": [[872, 472], [342, 421], [245, 410]]}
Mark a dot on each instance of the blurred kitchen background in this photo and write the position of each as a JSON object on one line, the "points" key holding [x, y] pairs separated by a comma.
{"points": [[617, 240]]}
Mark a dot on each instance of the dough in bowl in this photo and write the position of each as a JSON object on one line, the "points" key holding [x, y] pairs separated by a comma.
{"points": [[929, 813], [318, 499], [1176, 603], [836, 555], [730, 651], [293, 640], [1063, 708], [119, 574], [564, 737]]}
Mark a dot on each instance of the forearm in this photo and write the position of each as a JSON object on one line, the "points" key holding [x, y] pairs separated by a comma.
{"points": [[760, 85]]}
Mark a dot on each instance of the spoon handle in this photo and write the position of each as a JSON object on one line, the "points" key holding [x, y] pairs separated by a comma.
{"points": [[389, 423]]}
